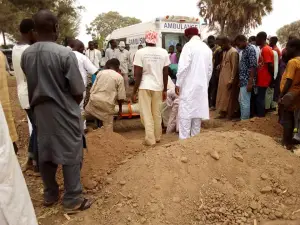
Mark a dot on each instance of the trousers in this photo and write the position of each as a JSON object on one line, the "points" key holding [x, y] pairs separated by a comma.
{"points": [[126, 81], [108, 123], [173, 119], [260, 106], [269, 100], [213, 89], [33, 143], [73, 189], [288, 123], [245, 101], [150, 104], [189, 128]]}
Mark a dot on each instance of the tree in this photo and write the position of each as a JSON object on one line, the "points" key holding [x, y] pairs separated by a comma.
{"points": [[292, 29], [231, 17], [105, 23], [13, 11]]}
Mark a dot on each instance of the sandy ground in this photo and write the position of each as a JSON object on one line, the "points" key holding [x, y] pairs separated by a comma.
{"points": [[114, 155]]}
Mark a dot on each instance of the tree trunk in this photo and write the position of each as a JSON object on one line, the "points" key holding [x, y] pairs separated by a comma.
{"points": [[222, 24], [4, 38]]}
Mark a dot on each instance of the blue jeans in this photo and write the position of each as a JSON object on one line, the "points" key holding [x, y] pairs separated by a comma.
{"points": [[245, 100]]}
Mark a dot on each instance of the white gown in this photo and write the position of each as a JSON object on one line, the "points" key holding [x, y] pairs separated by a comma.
{"points": [[15, 203], [194, 73]]}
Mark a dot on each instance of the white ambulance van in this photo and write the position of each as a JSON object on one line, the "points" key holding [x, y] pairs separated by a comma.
{"points": [[170, 30]]}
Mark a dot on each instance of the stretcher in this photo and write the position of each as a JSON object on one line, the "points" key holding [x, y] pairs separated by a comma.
{"points": [[129, 110]]}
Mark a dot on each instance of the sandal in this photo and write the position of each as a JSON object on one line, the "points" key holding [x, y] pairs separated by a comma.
{"points": [[86, 204], [50, 203]]}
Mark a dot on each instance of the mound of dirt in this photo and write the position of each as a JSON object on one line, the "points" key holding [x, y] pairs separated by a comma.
{"points": [[217, 178], [268, 125], [106, 151]]}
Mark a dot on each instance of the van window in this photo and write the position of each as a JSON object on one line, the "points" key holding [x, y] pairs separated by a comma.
{"points": [[169, 39]]}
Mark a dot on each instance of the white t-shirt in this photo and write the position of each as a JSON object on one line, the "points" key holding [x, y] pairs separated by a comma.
{"points": [[153, 60], [85, 66], [20, 76]]}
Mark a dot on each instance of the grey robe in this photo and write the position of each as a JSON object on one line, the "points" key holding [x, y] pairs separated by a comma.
{"points": [[53, 79]]}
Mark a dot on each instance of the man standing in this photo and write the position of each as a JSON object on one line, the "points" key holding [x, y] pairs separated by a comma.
{"points": [[194, 74], [173, 56], [252, 42], [178, 51], [290, 92], [94, 54], [248, 65], [27, 39], [55, 89], [265, 73], [227, 98], [273, 45], [113, 51], [278, 73], [85, 67], [151, 66], [124, 58], [107, 90], [214, 82]]}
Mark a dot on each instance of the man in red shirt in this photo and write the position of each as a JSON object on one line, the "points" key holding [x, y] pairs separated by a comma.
{"points": [[264, 73]]}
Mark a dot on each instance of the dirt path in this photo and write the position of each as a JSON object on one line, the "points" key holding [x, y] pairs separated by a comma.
{"points": [[109, 154]]}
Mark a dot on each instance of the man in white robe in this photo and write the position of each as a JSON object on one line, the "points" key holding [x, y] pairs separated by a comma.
{"points": [[94, 54], [15, 203], [194, 73], [85, 67]]}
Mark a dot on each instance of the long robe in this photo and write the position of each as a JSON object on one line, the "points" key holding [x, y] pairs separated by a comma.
{"points": [[227, 99], [53, 79], [15, 203], [194, 73], [4, 98]]}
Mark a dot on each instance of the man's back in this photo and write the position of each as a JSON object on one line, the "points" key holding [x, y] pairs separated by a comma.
{"points": [[52, 75], [108, 87], [153, 60]]}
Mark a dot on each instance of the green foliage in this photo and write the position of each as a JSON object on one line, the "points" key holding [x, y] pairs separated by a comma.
{"points": [[13, 11], [292, 29], [232, 17], [105, 23]]}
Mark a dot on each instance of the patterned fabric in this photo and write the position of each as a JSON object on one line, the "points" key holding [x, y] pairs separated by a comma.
{"points": [[151, 37], [248, 61]]}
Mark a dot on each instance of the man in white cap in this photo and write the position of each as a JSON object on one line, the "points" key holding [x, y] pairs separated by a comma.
{"points": [[194, 73], [124, 58], [151, 66]]}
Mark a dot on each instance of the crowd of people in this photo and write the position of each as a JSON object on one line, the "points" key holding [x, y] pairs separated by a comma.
{"points": [[258, 76], [238, 79]]}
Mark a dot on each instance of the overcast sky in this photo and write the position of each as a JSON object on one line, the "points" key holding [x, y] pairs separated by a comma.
{"points": [[285, 11]]}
